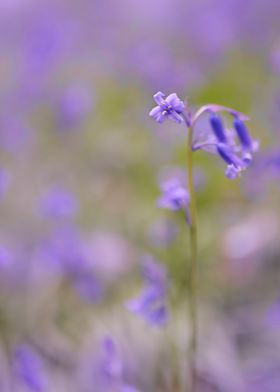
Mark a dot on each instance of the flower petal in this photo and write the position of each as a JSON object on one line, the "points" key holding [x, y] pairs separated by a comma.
{"points": [[174, 116], [232, 172], [175, 102], [159, 98], [156, 114]]}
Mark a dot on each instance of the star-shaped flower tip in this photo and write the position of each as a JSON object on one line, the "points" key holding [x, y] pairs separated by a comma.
{"points": [[167, 107]]}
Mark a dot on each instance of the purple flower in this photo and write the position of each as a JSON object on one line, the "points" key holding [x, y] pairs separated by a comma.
{"points": [[218, 127], [220, 141], [59, 203], [235, 163], [170, 107], [65, 252], [174, 195], [234, 146], [265, 170], [151, 303], [111, 377], [28, 367], [87, 286], [248, 145], [111, 365], [73, 107]]}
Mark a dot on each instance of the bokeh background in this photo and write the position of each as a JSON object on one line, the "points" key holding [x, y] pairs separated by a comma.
{"points": [[81, 162]]}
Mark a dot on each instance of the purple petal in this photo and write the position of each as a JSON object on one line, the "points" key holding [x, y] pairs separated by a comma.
{"points": [[175, 102], [247, 159], [232, 172], [159, 98], [29, 368], [157, 316], [153, 272], [166, 202], [156, 114], [174, 116]]}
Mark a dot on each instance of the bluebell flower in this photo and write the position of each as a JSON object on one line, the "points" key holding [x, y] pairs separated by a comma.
{"points": [[235, 146], [220, 141], [218, 127], [168, 107], [248, 144], [235, 163], [29, 369], [151, 303], [174, 195]]}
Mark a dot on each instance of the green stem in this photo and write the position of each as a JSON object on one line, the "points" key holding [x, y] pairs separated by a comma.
{"points": [[193, 261]]}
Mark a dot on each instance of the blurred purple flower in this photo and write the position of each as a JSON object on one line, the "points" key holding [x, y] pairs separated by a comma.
{"points": [[58, 203], [29, 368], [266, 171], [111, 368], [151, 304], [65, 253], [174, 196], [168, 107], [87, 286], [72, 107]]}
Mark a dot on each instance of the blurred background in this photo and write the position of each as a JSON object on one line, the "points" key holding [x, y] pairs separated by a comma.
{"points": [[80, 167]]}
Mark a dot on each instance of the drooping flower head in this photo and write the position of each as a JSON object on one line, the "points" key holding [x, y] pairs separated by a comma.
{"points": [[234, 146]]}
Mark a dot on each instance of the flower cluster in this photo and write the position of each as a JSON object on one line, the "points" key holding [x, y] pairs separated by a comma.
{"points": [[236, 153], [234, 146]]}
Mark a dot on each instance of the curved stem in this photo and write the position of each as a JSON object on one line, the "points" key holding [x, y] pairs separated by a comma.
{"points": [[193, 260]]}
